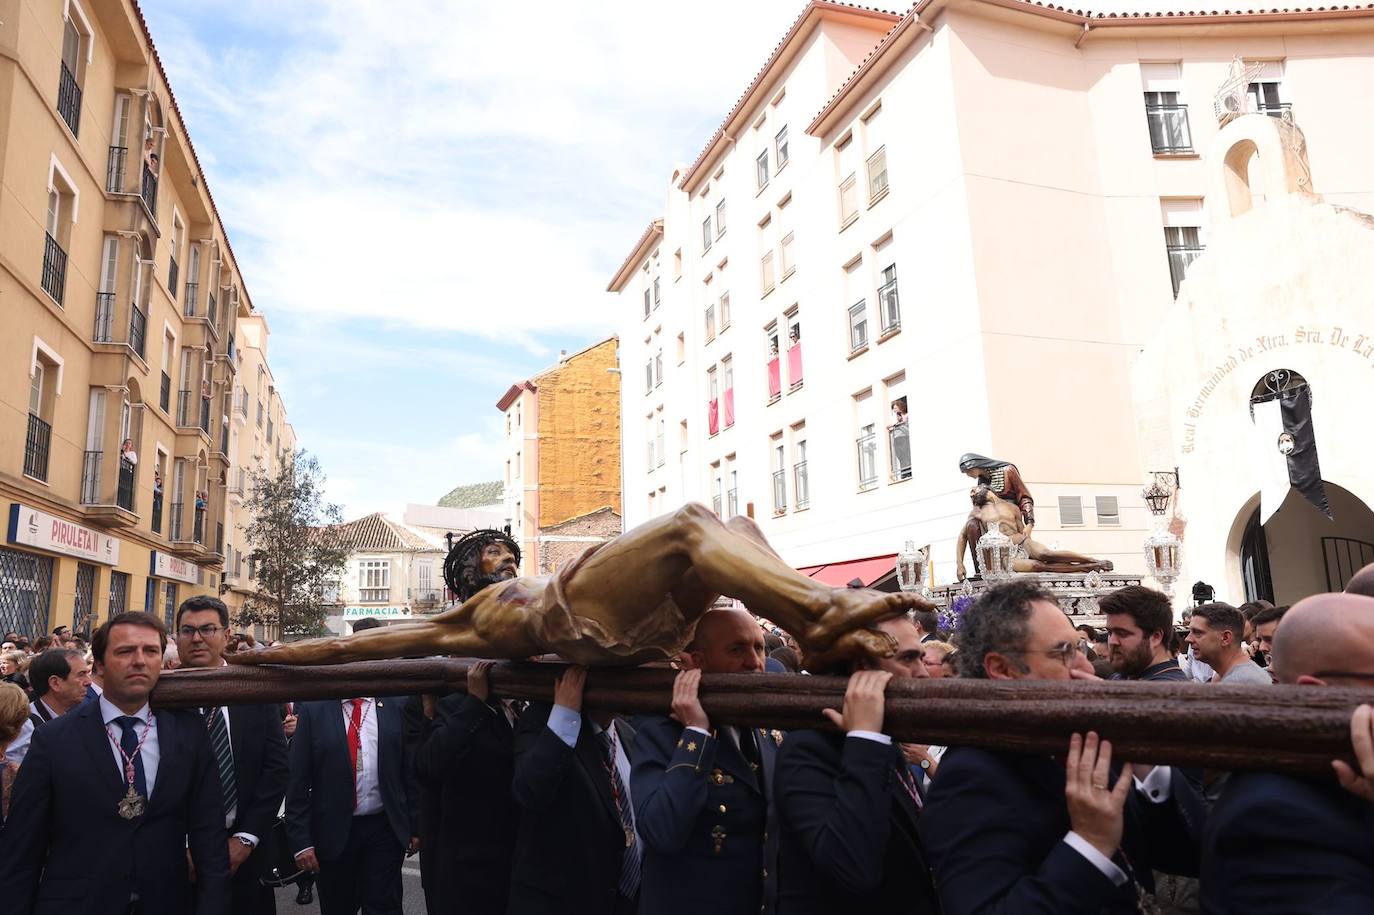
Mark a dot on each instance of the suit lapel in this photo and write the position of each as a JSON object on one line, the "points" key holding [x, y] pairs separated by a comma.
{"points": [[171, 764], [97, 743], [731, 758], [588, 751], [240, 719], [388, 738]]}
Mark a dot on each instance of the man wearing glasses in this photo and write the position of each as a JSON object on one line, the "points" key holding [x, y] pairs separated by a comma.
{"points": [[1016, 832], [1280, 843], [250, 756]]}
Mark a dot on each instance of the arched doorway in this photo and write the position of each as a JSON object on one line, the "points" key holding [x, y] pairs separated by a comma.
{"points": [[1301, 552]]}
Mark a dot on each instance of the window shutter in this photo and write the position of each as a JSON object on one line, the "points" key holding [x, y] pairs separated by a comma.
{"points": [[1107, 511], [1070, 510]]}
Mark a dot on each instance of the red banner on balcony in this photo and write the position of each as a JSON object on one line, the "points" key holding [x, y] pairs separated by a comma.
{"points": [[774, 378], [729, 407], [713, 416], [794, 366]]}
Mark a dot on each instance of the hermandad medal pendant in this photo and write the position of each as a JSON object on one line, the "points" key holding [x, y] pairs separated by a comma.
{"points": [[131, 805]]}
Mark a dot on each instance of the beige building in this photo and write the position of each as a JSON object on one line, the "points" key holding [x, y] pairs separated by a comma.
{"points": [[980, 212], [563, 449], [122, 301]]}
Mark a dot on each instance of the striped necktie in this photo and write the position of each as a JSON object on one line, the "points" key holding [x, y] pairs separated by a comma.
{"points": [[630, 863], [224, 756]]}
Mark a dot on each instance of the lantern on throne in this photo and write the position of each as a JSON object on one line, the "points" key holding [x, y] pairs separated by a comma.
{"points": [[911, 568], [996, 553], [1163, 549]]}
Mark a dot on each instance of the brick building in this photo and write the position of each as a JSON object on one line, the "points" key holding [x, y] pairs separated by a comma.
{"points": [[560, 544]]}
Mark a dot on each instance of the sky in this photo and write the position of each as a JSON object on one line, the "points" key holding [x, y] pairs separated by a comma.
{"points": [[427, 199]]}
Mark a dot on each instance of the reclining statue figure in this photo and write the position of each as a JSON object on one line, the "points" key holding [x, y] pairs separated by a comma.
{"points": [[631, 600]]}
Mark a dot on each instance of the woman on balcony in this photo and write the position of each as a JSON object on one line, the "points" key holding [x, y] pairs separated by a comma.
{"points": [[127, 452]]}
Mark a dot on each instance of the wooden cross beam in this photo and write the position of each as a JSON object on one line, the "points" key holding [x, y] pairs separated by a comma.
{"points": [[1296, 729]]}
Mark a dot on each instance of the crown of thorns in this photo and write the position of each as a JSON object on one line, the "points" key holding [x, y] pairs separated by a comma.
{"points": [[466, 546]]}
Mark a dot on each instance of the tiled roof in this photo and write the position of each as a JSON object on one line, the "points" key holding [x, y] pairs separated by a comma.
{"points": [[768, 65], [1167, 15], [474, 495], [377, 533]]}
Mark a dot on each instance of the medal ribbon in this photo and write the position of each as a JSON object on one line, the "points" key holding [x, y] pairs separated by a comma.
{"points": [[148, 727]]}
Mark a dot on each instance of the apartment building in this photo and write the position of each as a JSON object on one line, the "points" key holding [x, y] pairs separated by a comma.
{"points": [[563, 454], [979, 212], [122, 301], [394, 573]]}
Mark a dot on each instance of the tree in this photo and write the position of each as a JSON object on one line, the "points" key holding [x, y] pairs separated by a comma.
{"points": [[299, 549]]}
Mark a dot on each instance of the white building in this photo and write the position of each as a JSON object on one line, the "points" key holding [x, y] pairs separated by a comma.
{"points": [[394, 574], [985, 222]]}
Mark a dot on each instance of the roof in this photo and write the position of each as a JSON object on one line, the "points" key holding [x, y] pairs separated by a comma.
{"points": [[646, 241], [901, 35], [605, 509], [378, 533], [474, 495], [797, 29], [513, 392]]}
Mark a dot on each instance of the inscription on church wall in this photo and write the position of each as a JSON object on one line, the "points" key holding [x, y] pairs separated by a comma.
{"points": [[1361, 345]]}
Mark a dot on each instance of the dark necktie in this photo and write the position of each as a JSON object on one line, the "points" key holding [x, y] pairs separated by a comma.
{"points": [[224, 756], [629, 865], [128, 742]]}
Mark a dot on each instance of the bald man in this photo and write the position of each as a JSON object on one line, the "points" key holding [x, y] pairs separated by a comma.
{"points": [[1362, 582], [1283, 844], [703, 791]]}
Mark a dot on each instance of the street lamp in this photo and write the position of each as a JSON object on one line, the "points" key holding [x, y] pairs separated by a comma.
{"points": [[1163, 549]]}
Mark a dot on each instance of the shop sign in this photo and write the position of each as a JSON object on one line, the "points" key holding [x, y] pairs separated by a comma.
{"points": [[42, 531], [380, 613], [165, 565]]}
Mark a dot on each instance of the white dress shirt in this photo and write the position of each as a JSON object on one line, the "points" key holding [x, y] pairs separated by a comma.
{"points": [[150, 754], [366, 783]]}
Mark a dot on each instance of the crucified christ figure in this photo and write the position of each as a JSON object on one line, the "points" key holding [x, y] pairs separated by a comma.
{"points": [[989, 511], [633, 599]]}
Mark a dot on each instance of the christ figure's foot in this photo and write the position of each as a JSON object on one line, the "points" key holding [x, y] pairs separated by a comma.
{"points": [[857, 643], [856, 608]]}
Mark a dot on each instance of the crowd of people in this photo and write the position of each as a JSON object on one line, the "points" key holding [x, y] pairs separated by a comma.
{"points": [[543, 807]]}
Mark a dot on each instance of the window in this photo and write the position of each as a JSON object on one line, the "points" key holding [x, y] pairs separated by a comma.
{"points": [[660, 436], [846, 166], [173, 267], [780, 147], [801, 484], [682, 437], [63, 200], [105, 298], [712, 402], [169, 609], [119, 594], [849, 205], [1266, 92], [732, 494], [867, 445], [374, 580], [647, 304], [681, 348], [766, 273], [858, 326], [1184, 245], [45, 377], [706, 236], [1108, 511], [651, 463], [649, 375], [877, 174], [794, 351], [720, 219], [785, 255], [889, 314], [169, 344], [657, 297], [761, 169], [774, 362], [727, 381], [1070, 511], [1165, 114], [717, 488], [710, 323], [779, 476], [658, 367], [76, 51], [724, 310]]}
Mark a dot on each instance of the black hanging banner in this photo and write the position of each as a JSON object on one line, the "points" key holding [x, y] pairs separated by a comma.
{"points": [[1304, 471]]}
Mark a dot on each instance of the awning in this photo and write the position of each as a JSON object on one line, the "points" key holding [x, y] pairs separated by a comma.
{"points": [[839, 574]]}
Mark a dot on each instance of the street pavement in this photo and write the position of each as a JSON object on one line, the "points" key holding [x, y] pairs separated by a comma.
{"points": [[414, 897]]}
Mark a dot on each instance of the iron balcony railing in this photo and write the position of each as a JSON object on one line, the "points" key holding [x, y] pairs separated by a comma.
{"points": [[54, 269], [184, 403], [116, 165], [1169, 130], [867, 446], [36, 449], [732, 502], [1275, 109], [715, 505], [124, 498], [205, 415], [224, 437], [192, 295], [219, 537], [198, 532], [104, 317], [148, 190], [157, 512], [899, 451], [779, 492], [69, 99], [801, 484], [176, 520], [90, 477], [173, 272], [1180, 256], [138, 329], [374, 595], [165, 394]]}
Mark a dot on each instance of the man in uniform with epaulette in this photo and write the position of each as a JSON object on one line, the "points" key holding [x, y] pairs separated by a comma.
{"points": [[704, 796]]}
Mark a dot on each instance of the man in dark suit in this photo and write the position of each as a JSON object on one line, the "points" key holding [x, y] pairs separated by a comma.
{"points": [[576, 852], [849, 804], [466, 760], [1284, 844], [250, 756], [347, 812], [1018, 833], [113, 797], [703, 795]]}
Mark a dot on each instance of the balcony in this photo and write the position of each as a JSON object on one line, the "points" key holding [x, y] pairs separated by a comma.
{"points": [[219, 538], [164, 397], [779, 492], [1180, 256], [774, 378], [184, 406], [116, 166], [899, 451], [173, 273], [192, 298], [794, 367], [97, 500], [157, 512], [374, 595], [732, 502], [1169, 131], [124, 496], [148, 191], [867, 447], [104, 317], [224, 438], [90, 477], [1282, 110], [138, 330], [54, 269], [36, 449], [198, 529], [205, 415], [176, 525], [715, 504], [69, 100], [801, 485]]}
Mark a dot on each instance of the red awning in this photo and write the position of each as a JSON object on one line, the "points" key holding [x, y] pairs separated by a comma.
{"points": [[839, 574]]}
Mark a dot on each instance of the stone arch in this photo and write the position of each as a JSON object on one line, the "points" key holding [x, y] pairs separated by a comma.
{"points": [[1281, 151]]}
